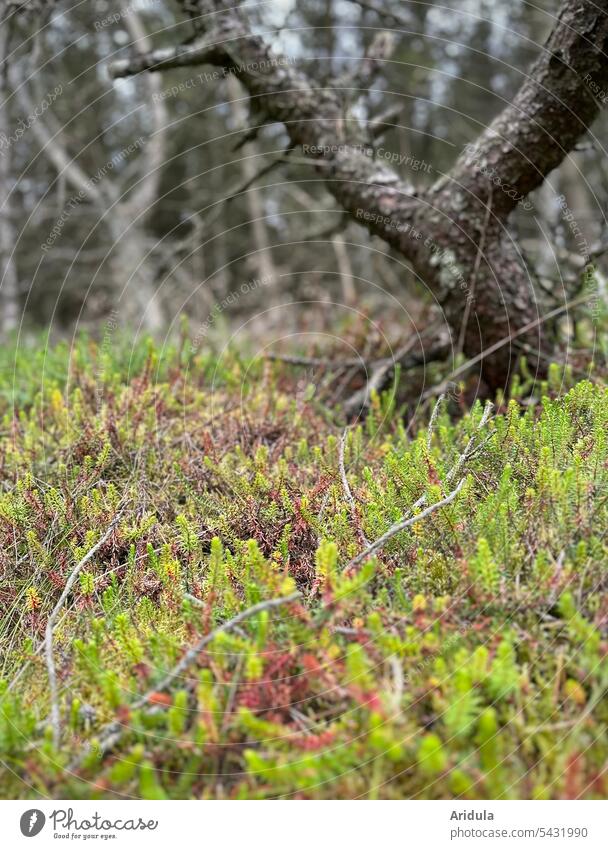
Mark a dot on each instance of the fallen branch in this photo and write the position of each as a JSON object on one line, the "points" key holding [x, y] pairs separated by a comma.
{"points": [[194, 600], [402, 526], [111, 734], [193, 653], [363, 363], [50, 625], [470, 448], [432, 422], [360, 399], [294, 360]]}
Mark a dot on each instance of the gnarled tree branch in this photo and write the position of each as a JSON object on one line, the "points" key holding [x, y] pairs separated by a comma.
{"points": [[438, 230], [554, 107]]}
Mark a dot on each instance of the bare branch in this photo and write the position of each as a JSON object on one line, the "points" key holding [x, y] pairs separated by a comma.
{"points": [[179, 56], [384, 14], [53, 148], [281, 159], [111, 734], [50, 625], [362, 76], [193, 653], [432, 422], [9, 277], [385, 121], [404, 523], [402, 526], [554, 107], [349, 292], [313, 116], [470, 448], [377, 379]]}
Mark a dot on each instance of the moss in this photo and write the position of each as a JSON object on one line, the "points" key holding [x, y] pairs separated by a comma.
{"points": [[466, 659]]}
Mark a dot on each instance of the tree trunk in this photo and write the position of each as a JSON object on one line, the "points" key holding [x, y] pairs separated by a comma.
{"points": [[133, 275], [9, 282], [455, 234]]}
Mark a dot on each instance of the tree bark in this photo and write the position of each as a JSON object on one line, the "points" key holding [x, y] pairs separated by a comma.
{"points": [[130, 258], [455, 234]]}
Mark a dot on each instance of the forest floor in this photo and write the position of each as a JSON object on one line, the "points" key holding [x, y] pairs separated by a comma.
{"points": [[192, 606]]}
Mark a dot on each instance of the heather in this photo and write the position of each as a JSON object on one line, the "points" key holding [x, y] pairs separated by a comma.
{"points": [[465, 658]]}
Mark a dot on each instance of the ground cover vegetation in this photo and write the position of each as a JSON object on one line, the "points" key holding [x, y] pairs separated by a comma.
{"points": [[192, 607]]}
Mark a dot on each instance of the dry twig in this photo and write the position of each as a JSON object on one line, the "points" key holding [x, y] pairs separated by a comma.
{"points": [[112, 733], [361, 397], [50, 626], [193, 652], [402, 526]]}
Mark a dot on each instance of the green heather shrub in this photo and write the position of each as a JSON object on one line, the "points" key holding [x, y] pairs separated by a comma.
{"points": [[467, 658]]}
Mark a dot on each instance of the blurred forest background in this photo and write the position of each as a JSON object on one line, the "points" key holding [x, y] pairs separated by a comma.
{"points": [[134, 201]]}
